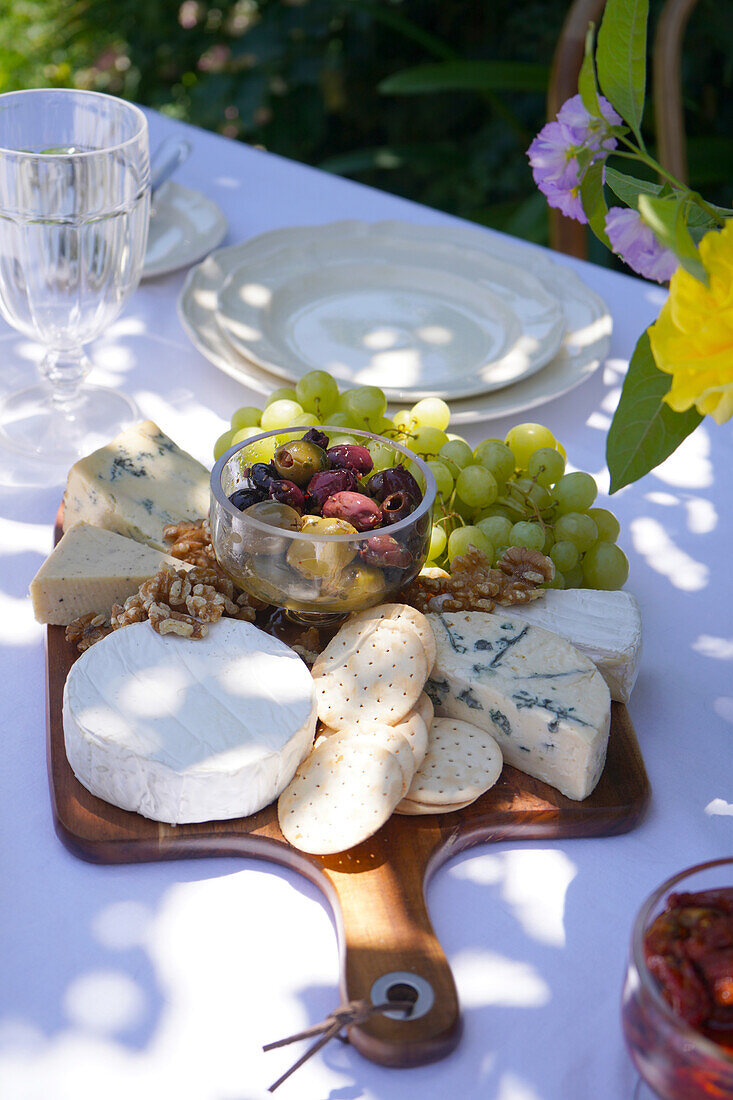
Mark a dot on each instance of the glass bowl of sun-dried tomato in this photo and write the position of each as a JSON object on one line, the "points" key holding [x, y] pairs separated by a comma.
{"points": [[678, 996]]}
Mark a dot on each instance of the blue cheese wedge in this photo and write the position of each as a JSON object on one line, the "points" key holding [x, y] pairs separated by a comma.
{"points": [[546, 704], [89, 570], [136, 485], [606, 626], [184, 731]]}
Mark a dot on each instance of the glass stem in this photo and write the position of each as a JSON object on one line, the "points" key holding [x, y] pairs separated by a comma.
{"points": [[65, 371]]}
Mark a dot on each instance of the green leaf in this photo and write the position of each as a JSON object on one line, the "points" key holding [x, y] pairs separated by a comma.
{"points": [[594, 201], [399, 23], [587, 85], [628, 188], [621, 58], [666, 217], [467, 76], [644, 430]]}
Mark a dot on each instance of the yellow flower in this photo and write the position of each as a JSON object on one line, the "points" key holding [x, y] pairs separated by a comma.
{"points": [[692, 339]]}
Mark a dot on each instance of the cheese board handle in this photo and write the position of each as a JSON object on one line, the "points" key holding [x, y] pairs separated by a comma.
{"points": [[389, 951]]}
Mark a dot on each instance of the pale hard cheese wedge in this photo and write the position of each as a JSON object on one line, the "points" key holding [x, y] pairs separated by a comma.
{"points": [[404, 613], [136, 485], [89, 570], [605, 626], [340, 796], [462, 763], [369, 672], [188, 731], [546, 704]]}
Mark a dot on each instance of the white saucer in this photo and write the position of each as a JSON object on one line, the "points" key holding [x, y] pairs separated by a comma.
{"points": [[587, 318], [184, 226], [372, 307]]}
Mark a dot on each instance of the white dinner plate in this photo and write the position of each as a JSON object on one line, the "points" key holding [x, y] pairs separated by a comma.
{"points": [[372, 307], [184, 226], [587, 319]]}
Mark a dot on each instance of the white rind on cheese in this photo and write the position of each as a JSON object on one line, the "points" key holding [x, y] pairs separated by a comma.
{"points": [[136, 485], [89, 570], [606, 626], [181, 730], [545, 703]]}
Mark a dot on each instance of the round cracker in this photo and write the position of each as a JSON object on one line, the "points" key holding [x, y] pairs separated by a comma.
{"points": [[392, 739], [403, 612], [461, 763], [414, 809], [340, 795], [415, 732], [369, 673], [424, 707]]}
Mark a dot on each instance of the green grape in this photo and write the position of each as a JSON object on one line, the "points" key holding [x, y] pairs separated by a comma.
{"points": [[438, 542], [365, 403], [246, 417], [340, 419], [280, 414], [549, 540], [403, 422], [452, 435], [285, 393], [431, 412], [496, 457], [525, 439], [526, 534], [456, 454], [565, 555], [605, 566], [261, 451], [463, 537], [307, 420], [578, 528], [528, 490], [574, 493], [426, 441], [499, 510], [337, 438], [383, 456], [546, 466], [223, 443], [476, 486], [318, 393], [465, 511], [561, 451], [607, 524], [443, 477], [574, 577], [244, 434], [558, 581], [496, 528], [384, 427]]}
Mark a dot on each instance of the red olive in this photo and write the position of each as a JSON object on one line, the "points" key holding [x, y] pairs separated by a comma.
{"points": [[327, 482], [384, 551], [397, 506], [351, 456], [360, 511], [396, 479]]}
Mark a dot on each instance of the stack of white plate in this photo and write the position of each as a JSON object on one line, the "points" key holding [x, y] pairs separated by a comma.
{"points": [[477, 319]]}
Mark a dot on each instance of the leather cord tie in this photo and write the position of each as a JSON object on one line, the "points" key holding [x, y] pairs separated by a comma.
{"points": [[354, 1012]]}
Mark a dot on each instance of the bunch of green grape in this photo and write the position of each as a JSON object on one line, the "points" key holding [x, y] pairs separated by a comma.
{"points": [[502, 493]]}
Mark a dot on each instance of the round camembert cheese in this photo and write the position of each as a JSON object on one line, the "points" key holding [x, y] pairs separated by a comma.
{"points": [[182, 730]]}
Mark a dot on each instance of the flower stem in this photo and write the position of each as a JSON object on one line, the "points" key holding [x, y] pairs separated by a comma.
{"points": [[637, 154]]}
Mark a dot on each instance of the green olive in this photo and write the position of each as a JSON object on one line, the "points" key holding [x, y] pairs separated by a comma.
{"points": [[355, 587], [274, 515], [321, 559], [299, 460]]}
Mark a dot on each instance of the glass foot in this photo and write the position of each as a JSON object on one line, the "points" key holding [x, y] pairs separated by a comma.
{"points": [[644, 1092], [33, 426]]}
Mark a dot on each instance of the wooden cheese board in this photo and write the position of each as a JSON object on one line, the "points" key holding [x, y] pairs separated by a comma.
{"points": [[376, 890]]}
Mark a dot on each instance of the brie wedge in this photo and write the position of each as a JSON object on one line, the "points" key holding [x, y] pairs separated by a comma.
{"points": [[182, 730]]}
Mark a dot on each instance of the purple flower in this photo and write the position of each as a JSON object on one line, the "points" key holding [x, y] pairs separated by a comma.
{"points": [[637, 246], [553, 155]]}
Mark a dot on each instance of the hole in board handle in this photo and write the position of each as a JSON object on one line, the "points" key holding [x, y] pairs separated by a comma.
{"points": [[402, 985]]}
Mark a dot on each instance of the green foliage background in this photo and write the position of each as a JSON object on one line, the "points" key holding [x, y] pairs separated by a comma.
{"points": [[436, 100]]}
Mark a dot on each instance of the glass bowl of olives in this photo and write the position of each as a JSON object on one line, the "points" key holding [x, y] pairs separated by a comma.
{"points": [[321, 521]]}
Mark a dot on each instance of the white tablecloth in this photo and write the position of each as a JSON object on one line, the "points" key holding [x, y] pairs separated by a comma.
{"points": [[164, 980]]}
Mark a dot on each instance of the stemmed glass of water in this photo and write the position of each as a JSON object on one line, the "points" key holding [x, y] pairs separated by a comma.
{"points": [[74, 206]]}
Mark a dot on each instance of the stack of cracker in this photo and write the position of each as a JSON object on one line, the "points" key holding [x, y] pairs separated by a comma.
{"points": [[379, 749]]}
